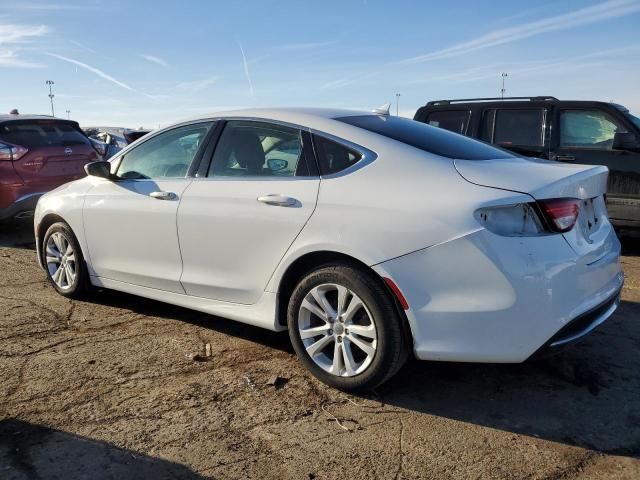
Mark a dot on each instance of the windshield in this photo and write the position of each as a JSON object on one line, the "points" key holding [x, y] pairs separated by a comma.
{"points": [[427, 138]]}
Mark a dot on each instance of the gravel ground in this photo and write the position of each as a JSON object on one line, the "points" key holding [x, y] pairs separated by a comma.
{"points": [[103, 388]]}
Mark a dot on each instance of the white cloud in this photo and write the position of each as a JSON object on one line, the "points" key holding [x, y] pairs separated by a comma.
{"points": [[196, 85], [8, 58], [15, 34], [306, 46], [246, 69], [583, 16], [95, 70], [156, 60]]}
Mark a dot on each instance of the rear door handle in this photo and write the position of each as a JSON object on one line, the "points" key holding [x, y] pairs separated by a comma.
{"points": [[565, 158], [163, 195], [277, 200]]}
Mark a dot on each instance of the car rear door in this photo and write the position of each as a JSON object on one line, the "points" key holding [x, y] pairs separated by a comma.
{"points": [[585, 135], [130, 223], [239, 218], [57, 151]]}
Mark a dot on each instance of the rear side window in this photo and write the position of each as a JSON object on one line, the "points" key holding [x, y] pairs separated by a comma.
{"points": [[455, 121], [332, 156], [433, 140], [42, 133], [509, 127]]}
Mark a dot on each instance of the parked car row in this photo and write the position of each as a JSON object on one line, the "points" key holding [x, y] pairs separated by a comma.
{"points": [[367, 237], [39, 153]]}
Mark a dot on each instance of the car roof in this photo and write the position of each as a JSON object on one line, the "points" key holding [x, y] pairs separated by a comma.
{"points": [[8, 117], [305, 116]]}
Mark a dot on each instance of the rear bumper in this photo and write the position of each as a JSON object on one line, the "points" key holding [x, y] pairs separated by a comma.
{"points": [[26, 203], [487, 298], [579, 327]]}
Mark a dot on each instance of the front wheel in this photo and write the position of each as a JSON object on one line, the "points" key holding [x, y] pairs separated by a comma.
{"points": [[64, 261], [345, 328]]}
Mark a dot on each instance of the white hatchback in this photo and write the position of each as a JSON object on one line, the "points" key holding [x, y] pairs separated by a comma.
{"points": [[368, 237]]}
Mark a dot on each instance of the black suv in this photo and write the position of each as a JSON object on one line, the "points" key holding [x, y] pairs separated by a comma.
{"points": [[596, 133]]}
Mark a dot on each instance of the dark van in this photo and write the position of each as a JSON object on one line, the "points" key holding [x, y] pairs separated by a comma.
{"points": [[597, 133]]}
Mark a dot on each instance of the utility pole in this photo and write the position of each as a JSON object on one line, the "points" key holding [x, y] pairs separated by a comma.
{"points": [[504, 75], [51, 95], [68, 114], [397, 103]]}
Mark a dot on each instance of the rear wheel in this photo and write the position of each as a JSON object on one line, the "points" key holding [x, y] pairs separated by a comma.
{"points": [[64, 261], [345, 328]]}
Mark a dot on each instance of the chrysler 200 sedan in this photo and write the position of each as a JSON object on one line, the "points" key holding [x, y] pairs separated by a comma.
{"points": [[368, 237]]}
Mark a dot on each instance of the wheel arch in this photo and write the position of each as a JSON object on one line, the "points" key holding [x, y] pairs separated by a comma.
{"points": [[41, 229], [313, 260]]}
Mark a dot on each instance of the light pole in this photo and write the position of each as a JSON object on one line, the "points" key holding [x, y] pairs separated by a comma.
{"points": [[68, 114], [397, 103], [51, 95], [504, 75]]}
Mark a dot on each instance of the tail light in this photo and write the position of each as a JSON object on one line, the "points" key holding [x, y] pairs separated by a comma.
{"points": [[530, 219], [561, 214], [12, 152]]}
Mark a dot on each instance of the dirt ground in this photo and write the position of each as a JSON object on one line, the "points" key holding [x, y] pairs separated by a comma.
{"points": [[103, 388]]}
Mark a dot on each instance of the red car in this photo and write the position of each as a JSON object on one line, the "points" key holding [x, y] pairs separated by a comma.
{"points": [[37, 154]]}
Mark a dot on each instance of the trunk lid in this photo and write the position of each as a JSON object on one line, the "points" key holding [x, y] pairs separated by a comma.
{"points": [[592, 237]]}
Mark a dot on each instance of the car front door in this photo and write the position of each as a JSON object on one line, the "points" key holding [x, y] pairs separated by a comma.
{"points": [[586, 136], [236, 222], [130, 223]]}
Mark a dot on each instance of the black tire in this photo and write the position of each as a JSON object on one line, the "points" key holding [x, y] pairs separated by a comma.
{"points": [[78, 287], [391, 351]]}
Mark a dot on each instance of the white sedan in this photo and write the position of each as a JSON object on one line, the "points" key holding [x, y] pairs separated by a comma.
{"points": [[368, 237]]}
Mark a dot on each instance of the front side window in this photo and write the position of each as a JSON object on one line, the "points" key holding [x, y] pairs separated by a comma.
{"points": [[524, 127], [429, 139], [587, 129], [454, 120], [257, 149], [167, 155]]}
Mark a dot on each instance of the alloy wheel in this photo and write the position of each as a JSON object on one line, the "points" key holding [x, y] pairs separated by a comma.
{"points": [[61, 260], [337, 330]]}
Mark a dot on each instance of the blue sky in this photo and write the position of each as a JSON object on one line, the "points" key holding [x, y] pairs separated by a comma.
{"points": [[144, 63]]}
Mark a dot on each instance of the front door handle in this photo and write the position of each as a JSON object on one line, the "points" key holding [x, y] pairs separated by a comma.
{"points": [[163, 195], [277, 200], [565, 158]]}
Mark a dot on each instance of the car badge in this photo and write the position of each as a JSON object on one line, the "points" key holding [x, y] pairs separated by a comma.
{"points": [[68, 151]]}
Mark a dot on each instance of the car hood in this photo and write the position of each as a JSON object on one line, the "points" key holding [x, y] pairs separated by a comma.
{"points": [[542, 179]]}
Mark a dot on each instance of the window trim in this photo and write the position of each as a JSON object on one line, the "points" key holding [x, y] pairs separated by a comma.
{"points": [[467, 111], [203, 170], [366, 156], [585, 109], [493, 111], [116, 160]]}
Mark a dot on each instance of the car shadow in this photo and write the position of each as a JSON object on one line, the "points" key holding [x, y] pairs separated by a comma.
{"points": [[154, 308], [586, 395], [29, 451], [17, 234]]}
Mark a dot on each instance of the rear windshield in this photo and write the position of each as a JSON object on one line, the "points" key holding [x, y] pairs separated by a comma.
{"points": [[430, 139], [42, 133]]}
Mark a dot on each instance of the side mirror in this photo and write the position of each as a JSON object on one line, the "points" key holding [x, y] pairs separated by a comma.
{"points": [[100, 169], [625, 141], [276, 164]]}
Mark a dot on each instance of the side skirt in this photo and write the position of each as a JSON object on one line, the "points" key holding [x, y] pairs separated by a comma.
{"points": [[262, 314]]}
